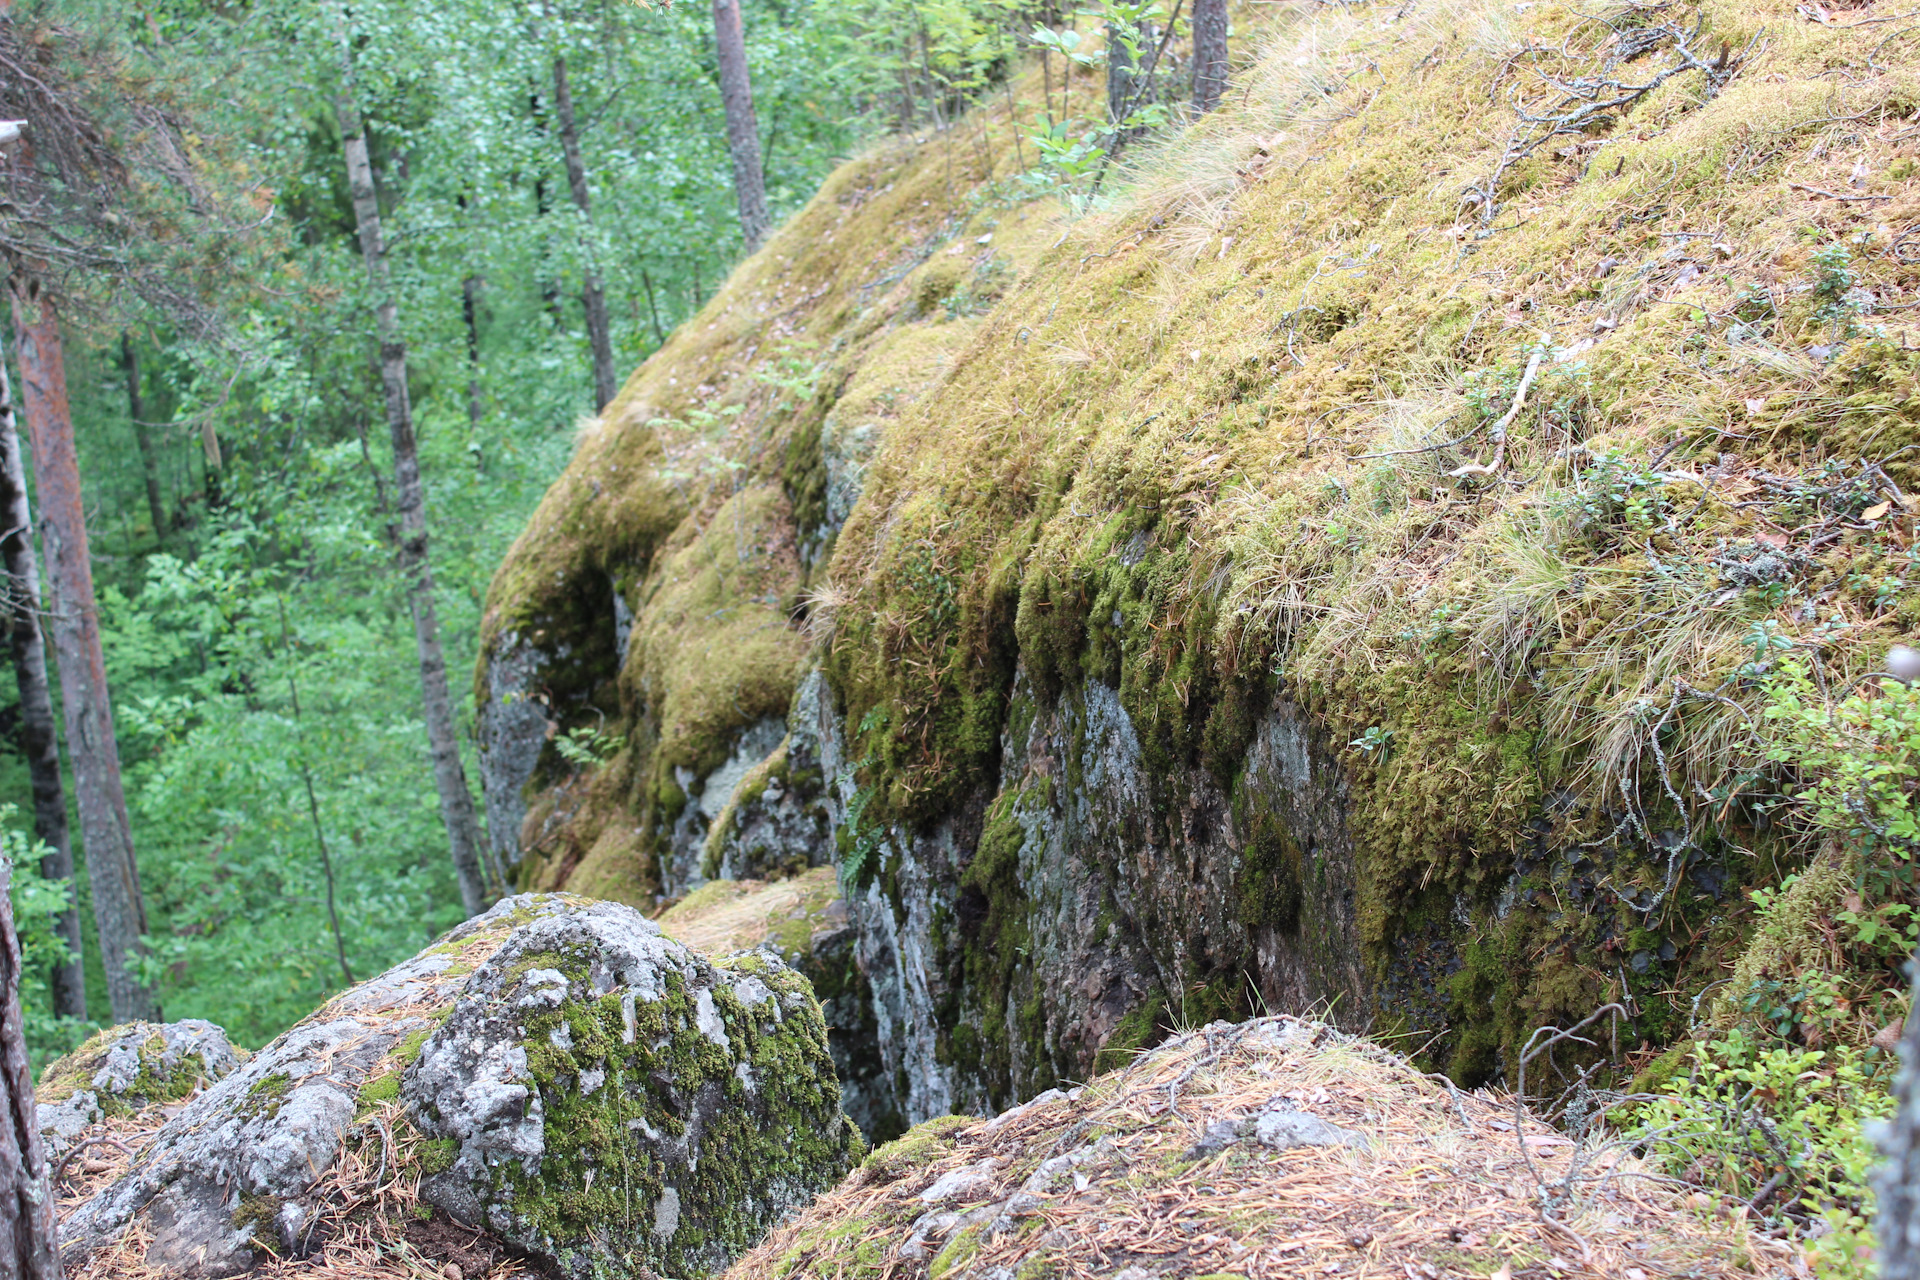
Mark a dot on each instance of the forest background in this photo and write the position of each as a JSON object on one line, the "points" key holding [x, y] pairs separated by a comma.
{"points": [[236, 465]]}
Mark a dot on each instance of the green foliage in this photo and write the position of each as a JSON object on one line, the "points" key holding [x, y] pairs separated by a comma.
{"points": [[588, 745], [37, 904], [1859, 758], [1782, 1128]]}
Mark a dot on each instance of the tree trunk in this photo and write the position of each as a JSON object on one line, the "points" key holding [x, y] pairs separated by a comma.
{"points": [[470, 309], [143, 438], [118, 908], [29, 1234], [1899, 1178], [593, 294], [37, 737], [743, 132], [1209, 54], [449, 776], [1122, 65]]}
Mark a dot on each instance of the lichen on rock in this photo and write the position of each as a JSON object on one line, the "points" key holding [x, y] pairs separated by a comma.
{"points": [[586, 1089], [123, 1069], [615, 1098]]}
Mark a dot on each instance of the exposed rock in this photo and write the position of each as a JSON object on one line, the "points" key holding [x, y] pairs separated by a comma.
{"points": [[610, 1097], [719, 1066], [126, 1068], [807, 923], [511, 726], [1103, 1180]]}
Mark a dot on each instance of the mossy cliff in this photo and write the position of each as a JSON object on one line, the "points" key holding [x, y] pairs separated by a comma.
{"points": [[1346, 568]]}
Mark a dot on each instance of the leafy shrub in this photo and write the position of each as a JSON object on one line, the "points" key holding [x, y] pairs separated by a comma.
{"points": [[1782, 1129]]}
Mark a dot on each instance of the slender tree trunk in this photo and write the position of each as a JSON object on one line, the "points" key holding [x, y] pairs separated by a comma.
{"points": [[37, 736], [1121, 67], [1898, 1180], [743, 131], [313, 800], [29, 1234], [143, 438], [118, 908], [653, 310], [593, 294], [1209, 54], [470, 309], [449, 776]]}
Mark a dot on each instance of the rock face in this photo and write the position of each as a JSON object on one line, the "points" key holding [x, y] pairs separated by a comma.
{"points": [[126, 1068], [564, 1059], [606, 1096]]}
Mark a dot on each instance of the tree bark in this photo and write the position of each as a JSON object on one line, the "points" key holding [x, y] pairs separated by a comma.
{"points": [[143, 438], [1209, 54], [1898, 1181], [743, 131], [449, 776], [593, 293], [119, 911], [37, 736], [29, 1233], [1122, 67], [470, 309]]}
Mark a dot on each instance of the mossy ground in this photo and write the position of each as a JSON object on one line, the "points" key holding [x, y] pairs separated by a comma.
{"points": [[154, 1083], [703, 494], [1200, 453]]}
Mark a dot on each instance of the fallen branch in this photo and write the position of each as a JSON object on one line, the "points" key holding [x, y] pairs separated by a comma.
{"points": [[1500, 429]]}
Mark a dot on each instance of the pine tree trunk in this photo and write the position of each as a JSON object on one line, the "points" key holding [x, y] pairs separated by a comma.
{"points": [[38, 739], [449, 776], [143, 439], [118, 908], [593, 293], [29, 1233], [743, 131], [1209, 54]]}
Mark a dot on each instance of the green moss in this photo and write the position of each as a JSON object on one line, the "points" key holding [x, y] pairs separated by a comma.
{"points": [[914, 1149], [438, 1154], [267, 1094], [378, 1090], [255, 1215], [787, 1128], [1142, 1028]]}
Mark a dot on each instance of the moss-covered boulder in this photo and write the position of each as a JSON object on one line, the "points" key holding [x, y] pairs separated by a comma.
{"points": [[575, 1074], [602, 1097], [806, 920], [125, 1069]]}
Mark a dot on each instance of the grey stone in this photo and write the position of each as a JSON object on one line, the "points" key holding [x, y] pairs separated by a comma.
{"points": [[713, 1103], [125, 1069], [510, 729], [1283, 1128], [713, 1078]]}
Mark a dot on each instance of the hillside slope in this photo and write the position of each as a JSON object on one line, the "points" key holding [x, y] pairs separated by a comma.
{"points": [[1398, 554]]}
